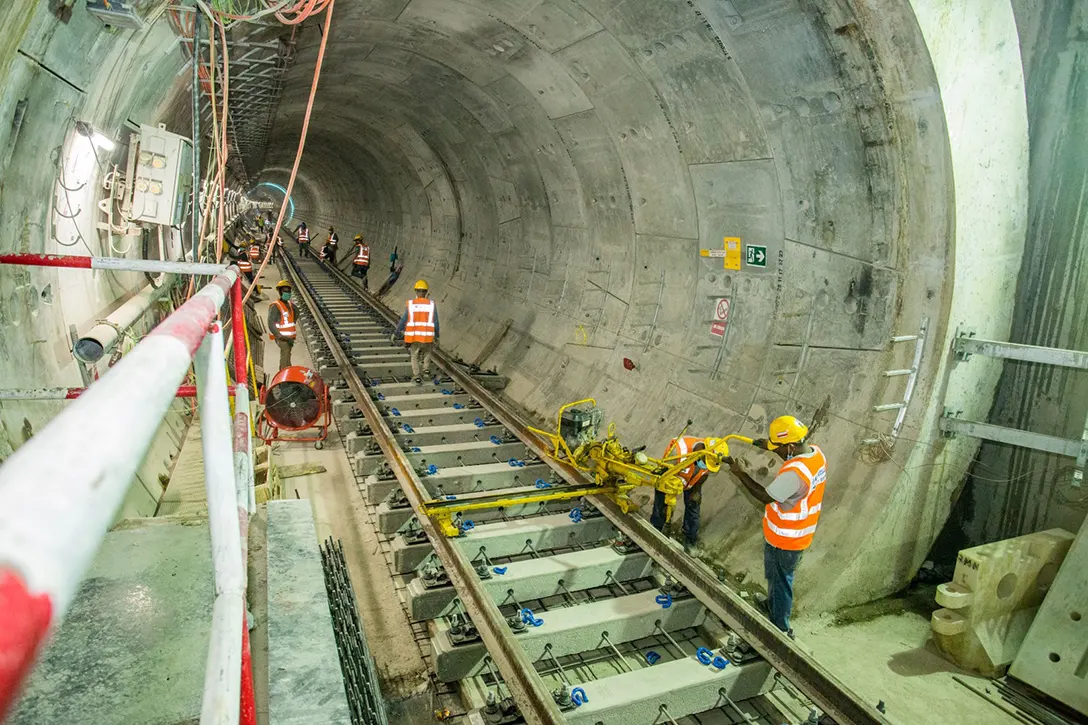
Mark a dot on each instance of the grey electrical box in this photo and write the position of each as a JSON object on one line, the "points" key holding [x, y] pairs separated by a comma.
{"points": [[118, 13], [162, 183]]}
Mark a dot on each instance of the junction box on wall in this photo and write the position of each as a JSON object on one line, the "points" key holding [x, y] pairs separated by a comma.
{"points": [[162, 181]]}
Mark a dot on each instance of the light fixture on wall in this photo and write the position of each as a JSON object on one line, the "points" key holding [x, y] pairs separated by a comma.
{"points": [[103, 142]]}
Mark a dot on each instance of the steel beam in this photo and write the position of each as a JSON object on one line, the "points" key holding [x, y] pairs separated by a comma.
{"points": [[1014, 437], [527, 689], [965, 346]]}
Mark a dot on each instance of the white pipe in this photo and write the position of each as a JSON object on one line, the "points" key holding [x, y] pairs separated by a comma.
{"points": [[100, 339], [60, 491], [222, 677]]}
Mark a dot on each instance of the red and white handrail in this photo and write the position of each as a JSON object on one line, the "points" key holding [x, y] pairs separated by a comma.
{"points": [[61, 490]]}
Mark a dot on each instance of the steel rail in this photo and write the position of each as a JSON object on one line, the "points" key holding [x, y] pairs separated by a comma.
{"points": [[528, 690], [837, 700]]}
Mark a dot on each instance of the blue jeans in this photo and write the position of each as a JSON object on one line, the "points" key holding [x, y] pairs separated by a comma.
{"points": [[693, 498], [778, 567]]}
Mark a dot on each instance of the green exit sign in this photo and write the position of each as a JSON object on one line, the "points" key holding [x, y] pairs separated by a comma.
{"points": [[755, 255]]}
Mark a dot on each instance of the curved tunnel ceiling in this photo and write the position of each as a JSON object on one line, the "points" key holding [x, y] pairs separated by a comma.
{"points": [[559, 165]]}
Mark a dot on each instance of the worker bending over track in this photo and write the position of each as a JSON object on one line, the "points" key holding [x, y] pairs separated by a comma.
{"points": [[281, 323], [792, 509], [419, 327], [693, 477]]}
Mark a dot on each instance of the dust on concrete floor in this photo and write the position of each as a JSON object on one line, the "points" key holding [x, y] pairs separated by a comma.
{"points": [[339, 511], [891, 658]]}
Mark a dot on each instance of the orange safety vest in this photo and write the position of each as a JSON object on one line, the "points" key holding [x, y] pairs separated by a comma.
{"points": [[245, 265], [303, 236], [792, 530], [286, 325], [362, 255], [254, 252], [692, 475], [420, 327]]}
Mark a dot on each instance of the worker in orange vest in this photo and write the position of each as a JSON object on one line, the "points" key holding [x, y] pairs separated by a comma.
{"points": [[419, 326], [331, 245], [693, 477], [244, 265], [254, 251], [792, 504], [361, 263], [281, 323], [302, 234]]}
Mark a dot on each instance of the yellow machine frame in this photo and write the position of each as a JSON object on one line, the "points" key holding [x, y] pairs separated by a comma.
{"points": [[615, 470]]}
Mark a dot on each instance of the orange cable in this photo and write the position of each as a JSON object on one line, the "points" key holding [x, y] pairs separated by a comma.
{"points": [[301, 146]]}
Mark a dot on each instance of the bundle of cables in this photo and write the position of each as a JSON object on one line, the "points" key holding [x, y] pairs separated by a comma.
{"points": [[288, 12]]}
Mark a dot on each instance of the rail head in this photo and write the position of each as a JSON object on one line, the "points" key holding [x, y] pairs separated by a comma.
{"points": [[528, 690]]}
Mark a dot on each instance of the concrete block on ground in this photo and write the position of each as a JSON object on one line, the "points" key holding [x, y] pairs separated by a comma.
{"points": [[134, 644], [573, 629], [536, 579], [1054, 656], [993, 597], [685, 687], [305, 684]]}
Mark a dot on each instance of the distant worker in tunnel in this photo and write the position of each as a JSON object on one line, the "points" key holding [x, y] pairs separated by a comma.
{"points": [[792, 509], [281, 322], [693, 477], [419, 327], [331, 245], [302, 234], [361, 263]]}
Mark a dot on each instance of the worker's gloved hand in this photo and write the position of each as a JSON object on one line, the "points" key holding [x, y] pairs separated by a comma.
{"points": [[761, 443], [272, 338]]}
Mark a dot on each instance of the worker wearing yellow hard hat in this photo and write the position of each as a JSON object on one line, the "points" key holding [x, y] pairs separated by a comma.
{"points": [[792, 503], [419, 327]]}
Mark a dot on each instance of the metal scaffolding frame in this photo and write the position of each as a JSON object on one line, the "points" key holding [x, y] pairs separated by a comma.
{"points": [[259, 55]]}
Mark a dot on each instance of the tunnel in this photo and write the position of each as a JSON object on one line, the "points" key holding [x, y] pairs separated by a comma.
{"points": [[701, 214]]}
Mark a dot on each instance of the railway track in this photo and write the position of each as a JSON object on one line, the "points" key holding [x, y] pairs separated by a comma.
{"points": [[546, 612]]}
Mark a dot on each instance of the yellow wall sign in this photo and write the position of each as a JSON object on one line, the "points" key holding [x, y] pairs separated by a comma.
{"points": [[730, 252]]}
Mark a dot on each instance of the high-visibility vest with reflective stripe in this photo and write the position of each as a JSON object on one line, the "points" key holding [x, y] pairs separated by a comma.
{"points": [[692, 475], [420, 327], [286, 325], [303, 236], [362, 255], [792, 529], [245, 265], [254, 251]]}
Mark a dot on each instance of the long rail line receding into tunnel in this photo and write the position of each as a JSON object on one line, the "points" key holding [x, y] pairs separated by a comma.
{"points": [[345, 317]]}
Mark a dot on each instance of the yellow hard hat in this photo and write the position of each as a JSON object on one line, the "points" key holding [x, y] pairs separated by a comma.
{"points": [[785, 429], [358, 236], [421, 284], [283, 283]]}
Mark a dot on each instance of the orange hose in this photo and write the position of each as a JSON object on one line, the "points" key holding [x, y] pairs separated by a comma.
{"points": [[301, 146]]}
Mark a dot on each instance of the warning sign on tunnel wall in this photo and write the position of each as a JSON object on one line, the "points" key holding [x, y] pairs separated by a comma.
{"points": [[721, 317]]}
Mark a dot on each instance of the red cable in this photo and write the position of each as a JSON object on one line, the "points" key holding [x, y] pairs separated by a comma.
{"points": [[301, 146]]}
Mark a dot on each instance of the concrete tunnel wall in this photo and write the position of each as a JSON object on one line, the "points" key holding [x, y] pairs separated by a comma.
{"points": [[51, 75], [558, 165]]}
